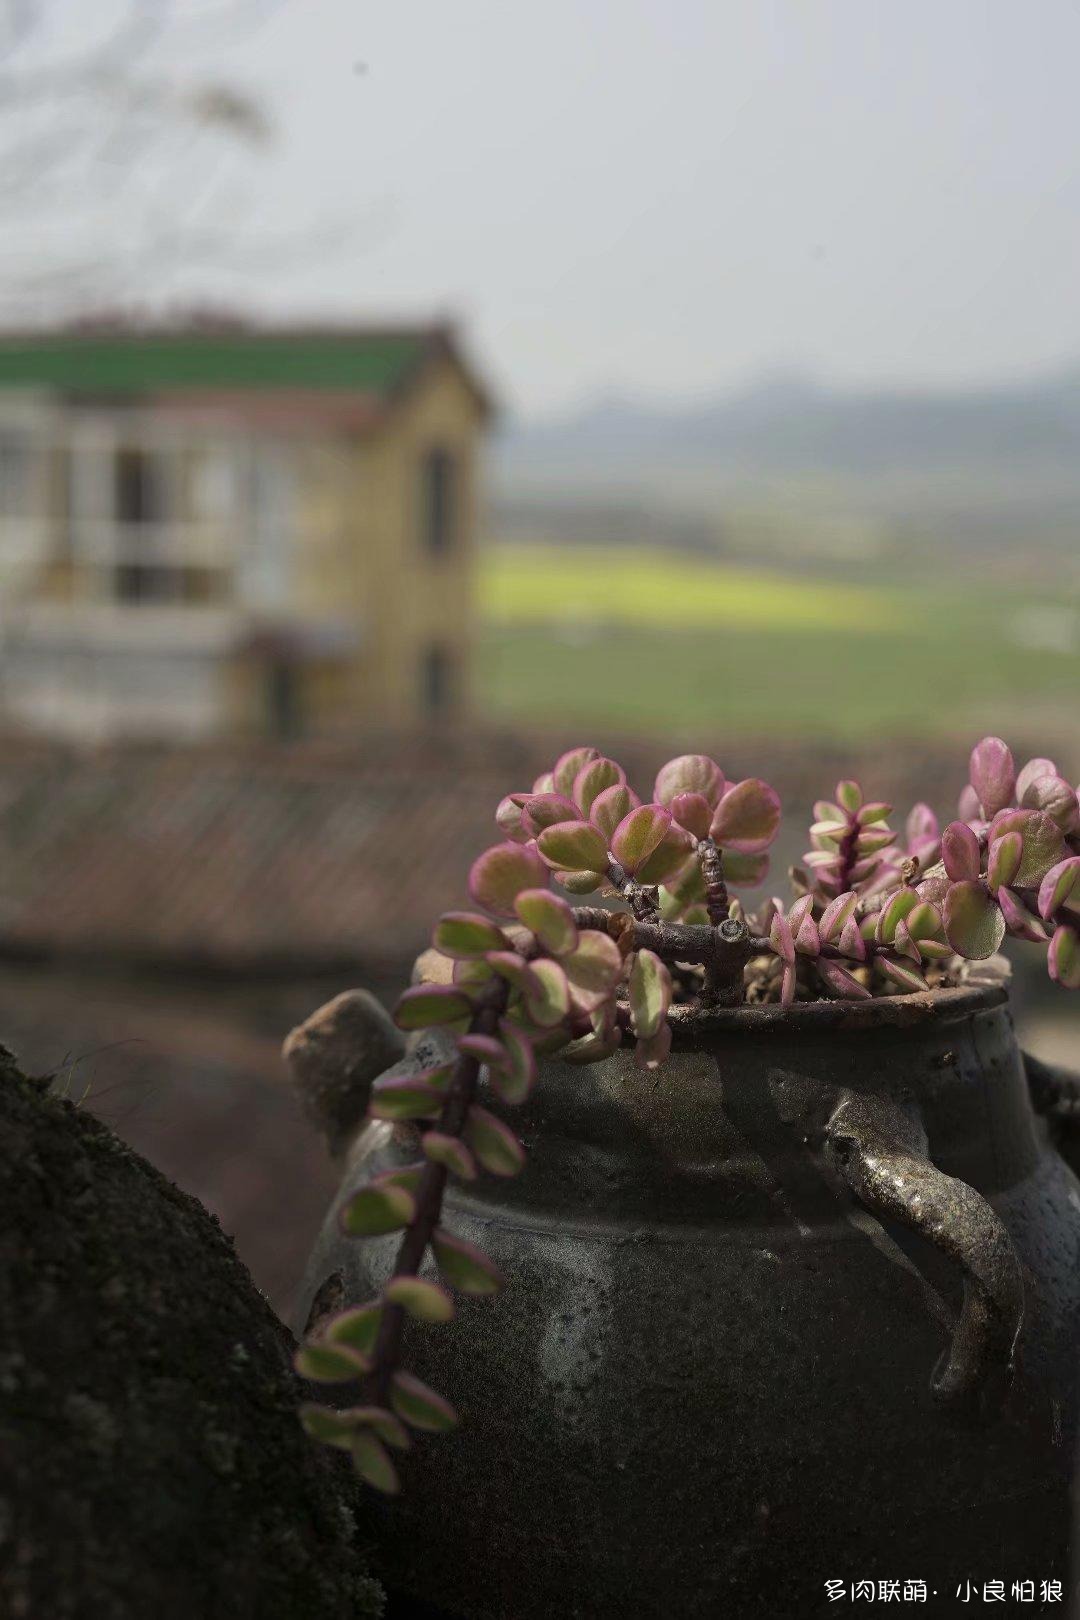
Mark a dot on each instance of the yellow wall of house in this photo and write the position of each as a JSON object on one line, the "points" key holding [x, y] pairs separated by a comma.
{"points": [[369, 561]]}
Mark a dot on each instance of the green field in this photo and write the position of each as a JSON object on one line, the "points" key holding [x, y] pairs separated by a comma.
{"points": [[644, 641]]}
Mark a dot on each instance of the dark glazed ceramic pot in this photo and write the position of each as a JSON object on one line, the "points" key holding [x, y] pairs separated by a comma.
{"points": [[802, 1306]]}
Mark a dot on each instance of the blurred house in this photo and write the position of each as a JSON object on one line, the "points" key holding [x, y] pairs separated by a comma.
{"points": [[220, 530]]}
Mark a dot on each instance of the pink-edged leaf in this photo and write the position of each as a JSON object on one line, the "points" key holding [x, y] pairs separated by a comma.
{"points": [[609, 808], [420, 1406], [870, 813], [924, 921], [690, 773], [747, 817], [852, 941], [960, 852], [781, 938], [926, 929], [821, 860], [1063, 957], [573, 846], [839, 982], [545, 782], [373, 1464], [329, 1363], [1003, 860], [638, 835], [836, 914], [426, 1006], [552, 1002], [693, 812], [829, 834], [592, 780], [788, 981], [968, 807], [874, 839], [1020, 922], [593, 968], [508, 818], [472, 971], [498, 876], [426, 1301], [901, 974], [896, 907], [357, 1327], [375, 1210], [451, 1152], [807, 935], [566, 769], [802, 908], [461, 934], [1030, 773], [581, 882], [650, 994], [590, 1048], [1054, 796], [974, 924], [849, 796], [463, 1265], [651, 1052], [516, 1080], [340, 1428], [549, 918], [744, 871], [903, 944], [667, 858], [494, 1144], [1044, 845], [1059, 883], [484, 1048], [516, 971], [547, 810], [993, 775], [921, 828], [405, 1097]]}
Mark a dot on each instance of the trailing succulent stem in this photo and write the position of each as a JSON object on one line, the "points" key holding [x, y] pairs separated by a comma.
{"points": [[529, 973]]}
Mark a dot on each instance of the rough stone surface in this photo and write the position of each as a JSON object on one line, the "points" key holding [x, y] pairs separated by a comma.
{"points": [[333, 1057], [151, 1462]]}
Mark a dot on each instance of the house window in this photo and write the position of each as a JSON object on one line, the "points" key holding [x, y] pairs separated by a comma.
{"points": [[438, 492], [139, 499], [137, 487], [266, 563], [437, 682], [14, 476], [144, 582], [283, 700]]}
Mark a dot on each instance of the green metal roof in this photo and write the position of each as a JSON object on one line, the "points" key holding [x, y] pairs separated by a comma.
{"points": [[152, 362]]}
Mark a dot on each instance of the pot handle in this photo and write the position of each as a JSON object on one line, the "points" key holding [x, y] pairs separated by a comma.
{"points": [[1055, 1094], [880, 1151]]}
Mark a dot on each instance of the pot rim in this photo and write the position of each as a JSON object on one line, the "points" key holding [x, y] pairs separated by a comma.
{"points": [[695, 1027]]}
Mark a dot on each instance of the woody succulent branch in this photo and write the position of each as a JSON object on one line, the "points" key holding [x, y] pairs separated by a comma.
{"points": [[530, 973]]}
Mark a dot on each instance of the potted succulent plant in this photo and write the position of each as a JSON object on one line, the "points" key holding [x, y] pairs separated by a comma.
{"points": [[780, 1164]]}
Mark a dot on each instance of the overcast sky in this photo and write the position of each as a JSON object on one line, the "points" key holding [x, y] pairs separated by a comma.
{"points": [[667, 197]]}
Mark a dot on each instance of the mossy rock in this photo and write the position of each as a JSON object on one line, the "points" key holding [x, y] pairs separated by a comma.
{"points": [[151, 1461]]}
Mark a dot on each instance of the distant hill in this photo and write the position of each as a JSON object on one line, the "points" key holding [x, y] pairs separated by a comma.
{"points": [[984, 463]]}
